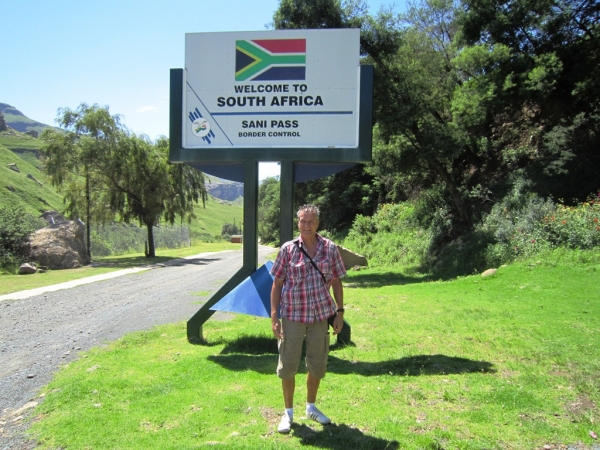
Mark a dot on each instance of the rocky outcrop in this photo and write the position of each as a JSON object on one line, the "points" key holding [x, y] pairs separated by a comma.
{"points": [[3, 126], [60, 245], [352, 259], [226, 191]]}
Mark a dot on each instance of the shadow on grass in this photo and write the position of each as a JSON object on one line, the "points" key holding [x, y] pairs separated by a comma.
{"points": [[259, 353], [364, 280], [340, 437], [141, 261]]}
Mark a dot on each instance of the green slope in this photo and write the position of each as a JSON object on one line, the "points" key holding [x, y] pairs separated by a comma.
{"points": [[16, 188]]}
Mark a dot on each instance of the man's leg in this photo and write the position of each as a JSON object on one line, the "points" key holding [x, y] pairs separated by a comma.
{"points": [[317, 348], [312, 387], [288, 385]]}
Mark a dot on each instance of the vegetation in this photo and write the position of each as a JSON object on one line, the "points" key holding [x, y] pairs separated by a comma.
{"points": [[108, 173], [29, 188], [474, 99], [507, 361], [15, 227], [269, 211], [520, 226]]}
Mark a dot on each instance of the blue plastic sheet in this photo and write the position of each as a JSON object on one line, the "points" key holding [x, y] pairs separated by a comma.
{"points": [[252, 296]]}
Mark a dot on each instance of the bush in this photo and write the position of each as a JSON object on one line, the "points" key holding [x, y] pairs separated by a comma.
{"points": [[228, 230], [539, 224], [15, 227], [391, 237], [518, 227]]}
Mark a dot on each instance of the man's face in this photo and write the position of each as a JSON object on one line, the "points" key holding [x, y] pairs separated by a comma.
{"points": [[308, 224]]}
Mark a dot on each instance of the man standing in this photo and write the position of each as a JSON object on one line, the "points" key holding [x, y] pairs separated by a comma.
{"points": [[305, 270]]}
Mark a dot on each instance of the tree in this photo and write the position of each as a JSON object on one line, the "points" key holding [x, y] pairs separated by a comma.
{"points": [[269, 210], [476, 97], [15, 227], [546, 111], [140, 184], [340, 197], [129, 177], [73, 158]]}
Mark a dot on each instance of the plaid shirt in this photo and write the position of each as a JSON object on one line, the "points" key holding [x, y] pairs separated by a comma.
{"points": [[304, 297]]}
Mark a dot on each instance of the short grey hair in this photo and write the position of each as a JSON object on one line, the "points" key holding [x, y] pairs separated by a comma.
{"points": [[308, 208]]}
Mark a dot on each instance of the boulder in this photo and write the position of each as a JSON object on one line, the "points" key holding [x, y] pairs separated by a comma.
{"points": [[489, 272], [27, 269], [351, 259], [60, 245]]}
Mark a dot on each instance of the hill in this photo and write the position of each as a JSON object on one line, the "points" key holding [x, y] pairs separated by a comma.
{"points": [[18, 121], [23, 183], [30, 188]]}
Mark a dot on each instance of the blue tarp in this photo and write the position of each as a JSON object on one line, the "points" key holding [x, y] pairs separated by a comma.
{"points": [[252, 296]]}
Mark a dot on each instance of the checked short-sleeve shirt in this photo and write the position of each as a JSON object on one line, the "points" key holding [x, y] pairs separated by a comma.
{"points": [[305, 297]]}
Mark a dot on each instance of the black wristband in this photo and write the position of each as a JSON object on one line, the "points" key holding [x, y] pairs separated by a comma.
{"points": [[340, 310]]}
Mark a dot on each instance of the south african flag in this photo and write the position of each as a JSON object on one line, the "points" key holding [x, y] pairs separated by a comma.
{"points": [[270, 59]]}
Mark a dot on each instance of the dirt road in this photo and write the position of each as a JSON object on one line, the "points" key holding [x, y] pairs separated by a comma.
{"points": [[41, 333]]}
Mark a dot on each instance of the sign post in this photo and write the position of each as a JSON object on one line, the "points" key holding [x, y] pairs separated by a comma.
{"points": [[300, 97]]}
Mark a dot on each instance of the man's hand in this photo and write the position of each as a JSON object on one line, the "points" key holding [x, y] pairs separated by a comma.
{"points": [[276, 327], [338, 323]]}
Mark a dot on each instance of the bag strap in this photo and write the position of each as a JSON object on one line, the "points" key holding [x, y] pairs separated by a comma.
{"points": [[311, 261]]}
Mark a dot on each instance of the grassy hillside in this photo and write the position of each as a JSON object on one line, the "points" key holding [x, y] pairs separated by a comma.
{"points": [[211, 219], [22, 150], [16, 187]]}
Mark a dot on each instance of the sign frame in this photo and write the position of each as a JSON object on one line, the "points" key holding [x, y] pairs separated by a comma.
{"points": [[235, 154]]}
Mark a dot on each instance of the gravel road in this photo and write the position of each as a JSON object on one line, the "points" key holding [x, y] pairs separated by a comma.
{"points": [[41, 333]]}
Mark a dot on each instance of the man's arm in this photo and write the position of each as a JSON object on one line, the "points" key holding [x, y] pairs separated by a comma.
{"points": [[338, 295], [275, 301]]}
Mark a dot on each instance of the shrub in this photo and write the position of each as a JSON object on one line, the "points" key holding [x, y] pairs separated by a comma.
{"points": [[391, 237], [15, 227], [538, 224]]}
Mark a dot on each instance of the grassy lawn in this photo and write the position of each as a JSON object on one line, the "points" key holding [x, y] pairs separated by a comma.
{"points": [[15, 283], [509, 361]]}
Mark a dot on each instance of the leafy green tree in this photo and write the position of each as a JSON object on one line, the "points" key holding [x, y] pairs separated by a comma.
{"points": [[126, 177], [269, 210], [141, 184], [15, 227], [73, 159], [541, 62], [340, 197]]}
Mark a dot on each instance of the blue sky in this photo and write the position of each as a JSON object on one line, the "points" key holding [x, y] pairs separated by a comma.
{"points": [[112, 52]]}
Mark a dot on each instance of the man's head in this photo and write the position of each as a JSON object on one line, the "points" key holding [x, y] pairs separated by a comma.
{"points": [[308, 220]]}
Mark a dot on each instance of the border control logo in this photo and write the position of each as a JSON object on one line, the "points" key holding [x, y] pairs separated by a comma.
{"points": [[201, 126], [270, 60]]}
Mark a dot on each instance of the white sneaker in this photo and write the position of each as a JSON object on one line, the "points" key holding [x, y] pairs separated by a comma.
{"points": [[285, 425], [317, 416]]}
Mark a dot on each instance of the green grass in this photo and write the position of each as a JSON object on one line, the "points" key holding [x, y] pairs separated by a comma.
{"points": [[25, 192], [504, 362], [216, 214], [15, 283]]}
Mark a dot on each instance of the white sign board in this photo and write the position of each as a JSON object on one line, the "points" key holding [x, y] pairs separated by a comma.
{"points": [[271, 89]]}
